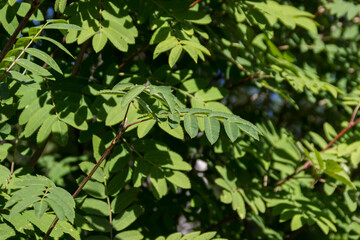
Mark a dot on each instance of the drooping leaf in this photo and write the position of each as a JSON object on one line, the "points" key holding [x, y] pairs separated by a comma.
{"points": [[179, 179], [174, 55], [126, 218], [32, 67], [174, 120], [165, 46], [144, 128], [212, 129], [99, 41], [231, 129], [60, 132], [176, 132], [131, 234], [44, 57], [191, 125]]}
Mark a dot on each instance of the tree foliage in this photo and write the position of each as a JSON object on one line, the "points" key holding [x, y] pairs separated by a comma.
{"points": [[179, 119]]}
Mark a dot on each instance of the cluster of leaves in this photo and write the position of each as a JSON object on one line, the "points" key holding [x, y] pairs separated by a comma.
{"points": [[289, 68]]}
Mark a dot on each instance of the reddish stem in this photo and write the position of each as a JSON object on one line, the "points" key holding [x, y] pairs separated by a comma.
{"points": [[194, 3], [106, 153], [308, 163], [133, 56]]}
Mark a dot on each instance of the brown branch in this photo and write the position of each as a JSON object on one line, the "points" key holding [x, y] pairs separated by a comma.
{"points": [[319, 12], [122, 130], [308, 163], [247, 79], [194, 3], [232, 216], [11, 173], [79, 58], [34, 5], [133, 56], [35, 157]]}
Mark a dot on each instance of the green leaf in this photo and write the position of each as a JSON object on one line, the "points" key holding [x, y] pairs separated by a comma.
{"points": [[329, 131], [86, 167], [319, 159], [231, 129], [296, 222], [4, 175], [21, 78], [44, 57], [167, 159], [249, 130], [174, 55], [204, 236], [116, 38], [158, 181], [60, 132], [59, 45], [32, 67], [45, 129], [37, 120], [318, 140], [212, 129], [123, 200], [333, 166], [322, 226], [196, 45], [99, 224], [191, 125], [173, 120], [174, 236], [131, 94], [165, 92], [238, 204], [165, 45], [99, 41], [176, 132], [4, 148], [7, 232], [126, 218], [118, 182], [342, 177], [131, 234], [40, 208], [76, 120], [179, 179], [62, 203], [60, 5], [95, 207], [94, 188], [64, 26], [144, 128], [191, 236]]}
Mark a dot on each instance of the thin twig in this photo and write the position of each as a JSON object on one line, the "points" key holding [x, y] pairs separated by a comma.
{"points": [[232, 216], [308, 163], [11, 173], [79, 58], [23, 51], [106, 153], [133, 56], [194, 3], [238, 65], [34, 5], [35, 157]]}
